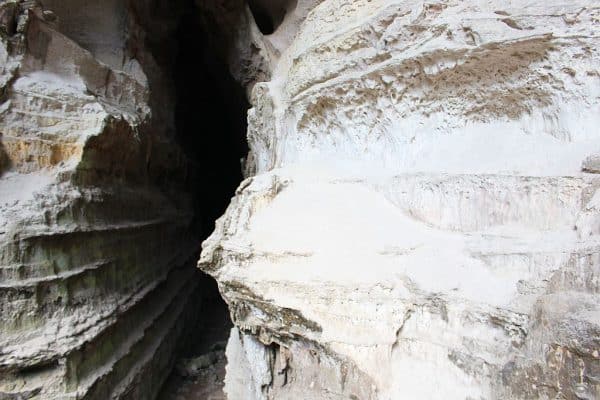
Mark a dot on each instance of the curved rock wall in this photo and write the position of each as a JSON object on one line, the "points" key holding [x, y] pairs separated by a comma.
{"points": [[97, 243], [423, 220]]}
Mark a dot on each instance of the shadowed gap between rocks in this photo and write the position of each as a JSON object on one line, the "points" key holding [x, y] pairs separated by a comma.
{"points": [[210, 114], [188, 77], [269, 14]]}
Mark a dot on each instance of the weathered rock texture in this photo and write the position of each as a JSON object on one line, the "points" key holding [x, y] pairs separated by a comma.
{"points": [[423, 221], [97, 244]]}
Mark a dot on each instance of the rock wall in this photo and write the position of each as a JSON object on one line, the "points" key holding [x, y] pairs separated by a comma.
{"points": [[421, 216], [98, 285]]}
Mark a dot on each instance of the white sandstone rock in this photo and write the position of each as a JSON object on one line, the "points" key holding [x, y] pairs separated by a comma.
{"points": [[419, 226]]}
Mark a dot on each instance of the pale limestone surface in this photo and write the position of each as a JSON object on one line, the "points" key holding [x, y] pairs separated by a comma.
{"points": [[421, 216], [96, 256]]}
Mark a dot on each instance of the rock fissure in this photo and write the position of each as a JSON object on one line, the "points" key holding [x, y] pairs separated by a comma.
{"points": [[122, 134], [395, 199]]}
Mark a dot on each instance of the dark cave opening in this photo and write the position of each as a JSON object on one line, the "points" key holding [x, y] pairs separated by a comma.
{"points": [[263, 20], [210, 118], [211, 122], [269, 14]]}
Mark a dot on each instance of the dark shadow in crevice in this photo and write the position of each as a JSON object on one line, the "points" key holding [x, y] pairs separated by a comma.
{"points": [[210, 117], [199, 371], [269, 14], [215, 323], [263, 20], [211, 123], [5, 163]]}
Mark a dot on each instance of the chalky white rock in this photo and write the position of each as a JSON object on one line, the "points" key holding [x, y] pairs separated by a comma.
{"points": [[421, 220]]}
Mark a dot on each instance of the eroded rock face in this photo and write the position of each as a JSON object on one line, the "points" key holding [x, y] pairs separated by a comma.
{"points": [[97, 247], [422, 218]]}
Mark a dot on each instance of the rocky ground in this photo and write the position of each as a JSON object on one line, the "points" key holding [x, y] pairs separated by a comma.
{"points": [[200, 373], [204, 384]]}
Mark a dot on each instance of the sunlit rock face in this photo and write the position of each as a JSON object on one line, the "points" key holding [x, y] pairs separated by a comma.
{"points": [[421, 214], [97, 250]]}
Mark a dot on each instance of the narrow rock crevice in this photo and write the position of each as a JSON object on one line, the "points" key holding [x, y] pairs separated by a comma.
{"points": [[210, 127], [210, 116], [122, 136]]}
